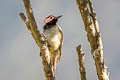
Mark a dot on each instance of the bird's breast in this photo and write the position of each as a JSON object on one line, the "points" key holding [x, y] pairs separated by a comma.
{"points": [[52, 36]]}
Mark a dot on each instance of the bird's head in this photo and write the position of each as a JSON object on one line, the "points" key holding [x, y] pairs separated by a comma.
{"points": [[51, 20]]}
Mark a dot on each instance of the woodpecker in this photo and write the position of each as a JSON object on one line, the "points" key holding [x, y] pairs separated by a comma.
{"points": [[54, 36]]}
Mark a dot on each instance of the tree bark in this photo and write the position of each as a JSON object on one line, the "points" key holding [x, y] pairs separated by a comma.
{"points": [[81, 57], [39, 39], [94, 37]]}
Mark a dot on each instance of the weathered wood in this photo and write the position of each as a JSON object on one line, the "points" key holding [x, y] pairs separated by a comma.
{"points": [[81, 57], [94, 37], [39, 39]]}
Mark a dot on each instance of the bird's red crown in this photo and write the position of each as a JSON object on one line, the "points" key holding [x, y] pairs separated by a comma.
{"points": [[49, 19]]}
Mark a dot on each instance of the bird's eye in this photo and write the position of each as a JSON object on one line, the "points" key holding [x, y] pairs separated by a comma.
{"points": [[50, 17]]}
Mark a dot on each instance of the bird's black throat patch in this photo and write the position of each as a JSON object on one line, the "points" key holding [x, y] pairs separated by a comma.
{"points": [[50, 24], [47, 26]]}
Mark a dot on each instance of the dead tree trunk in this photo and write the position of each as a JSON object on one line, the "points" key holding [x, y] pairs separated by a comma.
{"points": [[93, 34], [39, 39]]}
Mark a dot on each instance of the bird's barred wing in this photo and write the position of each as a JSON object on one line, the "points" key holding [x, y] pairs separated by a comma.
{"points": [[60, 35]]}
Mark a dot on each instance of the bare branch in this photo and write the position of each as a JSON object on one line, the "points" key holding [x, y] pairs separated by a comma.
{"points": [[39, 39], [94, 17], [32, 22], [94, 38], [25, 21], [81, 57]]}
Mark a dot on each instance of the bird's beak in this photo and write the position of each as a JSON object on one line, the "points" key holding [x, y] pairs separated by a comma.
{"points": [[58, 17]]}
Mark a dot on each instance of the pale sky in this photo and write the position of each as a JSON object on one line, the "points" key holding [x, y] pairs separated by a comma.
{"points": [[19, 54]]}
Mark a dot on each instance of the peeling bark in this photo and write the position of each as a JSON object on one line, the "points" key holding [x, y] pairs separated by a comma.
{"points": [[39, 39], [81, 57], [94, 37]]}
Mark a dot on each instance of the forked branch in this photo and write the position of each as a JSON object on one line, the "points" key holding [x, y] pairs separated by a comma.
{"points": [[39, 39], [94, 38]]}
